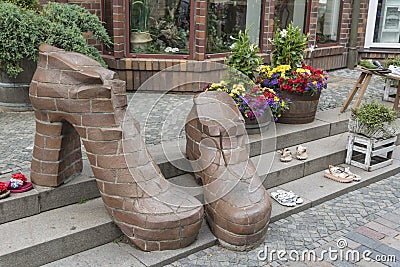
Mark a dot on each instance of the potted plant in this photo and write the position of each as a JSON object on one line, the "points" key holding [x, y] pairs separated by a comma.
{"points": [[291, 78], [140, 11], [253, 103], [244, 56], [22, 30], [373, 120]]}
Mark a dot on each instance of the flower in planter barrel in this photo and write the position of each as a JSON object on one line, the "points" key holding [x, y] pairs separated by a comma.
{"points": [[304, 80], [252, 103]]}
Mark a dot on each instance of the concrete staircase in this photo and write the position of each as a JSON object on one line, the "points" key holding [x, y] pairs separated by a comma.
{"points": [[68, 225]]}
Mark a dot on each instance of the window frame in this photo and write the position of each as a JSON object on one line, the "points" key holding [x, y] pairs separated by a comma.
{"points": [[192, 44], [369, 35], [227, 53], [339, 29]]}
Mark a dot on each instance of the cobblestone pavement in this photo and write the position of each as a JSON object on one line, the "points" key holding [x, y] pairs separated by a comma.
{"points": [[369, 215]]}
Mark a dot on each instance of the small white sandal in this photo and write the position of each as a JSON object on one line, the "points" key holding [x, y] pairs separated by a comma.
{"points": [[283, 199], [301, 152], [291, 195]]}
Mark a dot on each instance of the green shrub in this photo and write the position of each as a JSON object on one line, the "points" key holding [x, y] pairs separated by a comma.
{"points": [[392, 61], [23, 31], [25, 4], [374, 115]]}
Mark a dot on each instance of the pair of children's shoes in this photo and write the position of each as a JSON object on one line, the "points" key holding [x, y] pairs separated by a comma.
{"points": [[286, 154]]}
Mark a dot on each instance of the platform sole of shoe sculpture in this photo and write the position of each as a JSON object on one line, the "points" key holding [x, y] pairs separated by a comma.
{"points": [[238, 207], [75, 98]]}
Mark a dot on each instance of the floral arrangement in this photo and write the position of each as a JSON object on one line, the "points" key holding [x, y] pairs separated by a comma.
{"points": [[254, 102], [303, 80], [17, 180]]}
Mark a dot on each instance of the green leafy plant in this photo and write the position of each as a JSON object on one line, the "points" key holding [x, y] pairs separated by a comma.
{"points": [[22, 31], [392, 61], [140, 15], [25, 4], [375, 117], [289, 46], [244, 57]]}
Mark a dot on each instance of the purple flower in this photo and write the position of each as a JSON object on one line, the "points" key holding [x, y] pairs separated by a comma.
{"points": [[274, 82]]}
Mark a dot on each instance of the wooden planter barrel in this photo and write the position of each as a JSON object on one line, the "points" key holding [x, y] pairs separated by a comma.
{"points": [[14, 92], [258, 126], [302, 108]]}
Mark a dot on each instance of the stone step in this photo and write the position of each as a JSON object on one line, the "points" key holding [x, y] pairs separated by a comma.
{"points": [[316, 189], [313, 188], [171, 154], [41, 199], [55, 234], [321, 153], [124, 255]]}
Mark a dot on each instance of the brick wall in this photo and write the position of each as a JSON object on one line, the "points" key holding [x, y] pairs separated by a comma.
{"points": [[136, 70], [268, 25]]}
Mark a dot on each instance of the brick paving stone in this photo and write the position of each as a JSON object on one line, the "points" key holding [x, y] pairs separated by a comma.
{"points": [[392, 217], [386, 250], [382, 229], [369, 232], [391, 242], [366, 241]]}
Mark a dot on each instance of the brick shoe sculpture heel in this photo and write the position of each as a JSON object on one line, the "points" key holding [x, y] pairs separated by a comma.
{"points": [[75, 98], [238, 208]]}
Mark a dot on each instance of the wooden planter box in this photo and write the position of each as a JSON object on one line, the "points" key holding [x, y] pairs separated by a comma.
{"points": [[369, 153]]}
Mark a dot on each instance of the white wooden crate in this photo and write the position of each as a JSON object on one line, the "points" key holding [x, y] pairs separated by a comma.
{"points": [[369, 153]]}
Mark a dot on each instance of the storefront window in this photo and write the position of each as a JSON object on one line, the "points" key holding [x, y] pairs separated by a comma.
{"points": [[159, 26], [287, 11], [226, 18], [387, 24], [328, 21]]}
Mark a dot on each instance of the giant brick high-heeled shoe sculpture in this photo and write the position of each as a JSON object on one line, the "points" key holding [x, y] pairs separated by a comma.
{"points": [[237, 206], [74, 97]]}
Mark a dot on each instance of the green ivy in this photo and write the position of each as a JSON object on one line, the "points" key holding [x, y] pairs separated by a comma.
{"points": [[244, 57], [374, 115], [289, 46], [22, 31]]}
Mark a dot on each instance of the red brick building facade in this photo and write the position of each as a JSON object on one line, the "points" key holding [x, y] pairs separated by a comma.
{"points": [[330, 32]]}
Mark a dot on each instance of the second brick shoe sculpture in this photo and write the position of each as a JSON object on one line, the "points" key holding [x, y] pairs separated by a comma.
{"points": [[75, 98], [238, 208]]}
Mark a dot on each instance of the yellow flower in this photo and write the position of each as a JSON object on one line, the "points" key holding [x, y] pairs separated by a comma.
{"points": [[283, 103], [276, 99], [314, 82]]}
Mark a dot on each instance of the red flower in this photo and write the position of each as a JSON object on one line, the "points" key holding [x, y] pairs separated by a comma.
{"points": [[19, 176], [3, 187]]}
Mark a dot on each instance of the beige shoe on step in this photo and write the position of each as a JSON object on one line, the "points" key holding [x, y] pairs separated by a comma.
{"points": [[286, 155], [301, 152]]}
